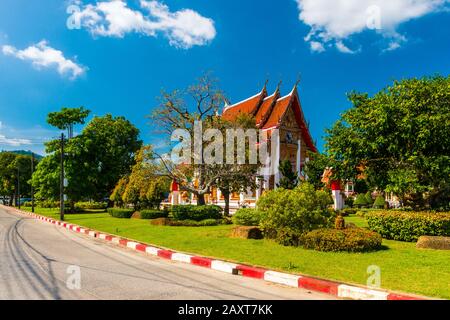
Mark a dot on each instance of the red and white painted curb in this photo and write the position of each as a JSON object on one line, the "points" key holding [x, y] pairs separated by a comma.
{"points": [[339, 290]]}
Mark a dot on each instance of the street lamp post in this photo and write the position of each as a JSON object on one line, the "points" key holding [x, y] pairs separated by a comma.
{"points": [[32, 189], [61, 184], [18, 185]]}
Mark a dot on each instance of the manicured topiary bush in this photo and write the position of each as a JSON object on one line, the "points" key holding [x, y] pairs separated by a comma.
{"points": [[349, 240], [379, 202], [288, 214], [196, 213], [247, 217], [120, 213], [369, 198], [153, 214], [360, 201], [408, 226]]}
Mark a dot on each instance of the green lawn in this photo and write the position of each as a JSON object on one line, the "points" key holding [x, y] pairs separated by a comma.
{"points": [[403, 267]]}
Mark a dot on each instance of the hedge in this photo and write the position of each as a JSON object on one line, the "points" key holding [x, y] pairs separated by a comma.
{"points": [[153, 214], [408, 226], [247, 217], [120, 213], [91, 206], [349, 240], [193, 223], [196, 213]]}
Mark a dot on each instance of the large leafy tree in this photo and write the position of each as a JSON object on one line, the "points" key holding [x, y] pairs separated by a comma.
{"points": [[67, 118], [94, 162], [15, 169], [400, 139], [144, 187], [101, 155]]}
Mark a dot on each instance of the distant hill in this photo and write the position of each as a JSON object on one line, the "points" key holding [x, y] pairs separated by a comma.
{"points": [[26, 153]]}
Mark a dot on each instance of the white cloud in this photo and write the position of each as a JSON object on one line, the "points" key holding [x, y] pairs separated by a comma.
{"points": [[333, 21], [317, 46], [185, 28], [41, 55], [13, 142], [344, 49]]}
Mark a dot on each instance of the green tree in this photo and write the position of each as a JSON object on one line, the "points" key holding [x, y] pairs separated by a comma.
{"points": [[46, 178], [145, 187], [119, 190], [94, 162], [67, 118], [289, 178], [403, 127], [315, 168], [100, 156]]}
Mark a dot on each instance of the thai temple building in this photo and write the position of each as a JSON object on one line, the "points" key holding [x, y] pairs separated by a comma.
{"points": [[270, 111]]}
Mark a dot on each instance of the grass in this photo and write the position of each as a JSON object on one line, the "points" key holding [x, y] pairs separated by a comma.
{"points": [[403, 267]]}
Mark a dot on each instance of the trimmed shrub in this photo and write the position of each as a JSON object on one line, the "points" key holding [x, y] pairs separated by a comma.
{"points": [[27, 204], [408, 226], [288, 214], [80, 206], [120, 213], [434, 243], [47, 204], [360, 201], [379, 202], [196, 213], [247, 232], [247, 217], [369, 198], [348, 211], [153, 214], [193, 223], [349, 240]]}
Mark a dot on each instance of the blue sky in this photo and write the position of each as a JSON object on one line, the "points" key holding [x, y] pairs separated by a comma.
{"points": [[120, 65]]}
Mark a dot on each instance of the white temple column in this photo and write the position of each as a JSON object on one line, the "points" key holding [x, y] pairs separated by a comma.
{"points": [[299, 157], [258, 188], [219, 195], [277, 161], [175, 198]]}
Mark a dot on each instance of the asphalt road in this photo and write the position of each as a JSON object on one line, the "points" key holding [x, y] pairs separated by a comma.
{"points": [[37, 260]]}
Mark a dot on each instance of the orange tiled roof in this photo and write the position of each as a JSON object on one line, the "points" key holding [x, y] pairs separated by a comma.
{"points": [[265, 110], [249, 106], [269, 111], [278, 112]]}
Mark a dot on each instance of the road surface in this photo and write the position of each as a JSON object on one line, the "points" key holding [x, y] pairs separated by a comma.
{"points": [[37, 259]]}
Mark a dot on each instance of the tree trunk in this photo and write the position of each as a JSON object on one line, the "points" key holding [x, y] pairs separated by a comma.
{"points": [[201, 200], [226, 195]]}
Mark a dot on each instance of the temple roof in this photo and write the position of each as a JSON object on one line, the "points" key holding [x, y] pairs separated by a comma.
{"points": [[269, 112], [249, 106]]}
